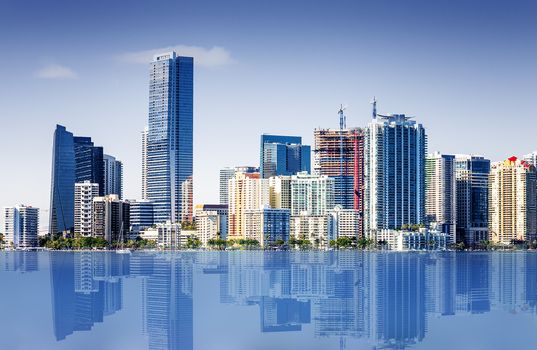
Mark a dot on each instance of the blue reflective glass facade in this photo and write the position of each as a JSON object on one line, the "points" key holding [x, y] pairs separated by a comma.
{"points": [[62, 193], [89, 162], [170, 134], [283, 155]]}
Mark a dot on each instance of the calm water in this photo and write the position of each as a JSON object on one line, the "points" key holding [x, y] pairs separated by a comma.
{"points": [[268, 300]]}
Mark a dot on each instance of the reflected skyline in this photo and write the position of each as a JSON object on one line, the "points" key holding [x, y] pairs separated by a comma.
{"points": [[382, 299]]}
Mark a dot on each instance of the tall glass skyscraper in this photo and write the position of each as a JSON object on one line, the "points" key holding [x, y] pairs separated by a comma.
{"points": [[74, 159], [283, 155], [394, 173], [170, 133]]}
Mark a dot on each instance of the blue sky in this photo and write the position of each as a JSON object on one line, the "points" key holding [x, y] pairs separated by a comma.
{"points": [[465, 69]]}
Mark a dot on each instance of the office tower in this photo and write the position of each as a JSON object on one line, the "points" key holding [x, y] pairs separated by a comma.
{"points": [[246, 191], [440, 193], [221, 211], [113, 176], [267, 225], [314, 228], [472, 179], [512, 200], [169, 137], [283, 155], [84, 194], [89, 162], [111, 218], [141, 215], [225, 175], [394, 173], [343, 223], [338, 153], [74, 159], [280, 192], [312, 194], [187, 200], [62, 192], [21, 225], [144, 162]]}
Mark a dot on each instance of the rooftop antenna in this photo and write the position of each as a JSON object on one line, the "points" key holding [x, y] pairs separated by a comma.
{"points": [[374, 103]]}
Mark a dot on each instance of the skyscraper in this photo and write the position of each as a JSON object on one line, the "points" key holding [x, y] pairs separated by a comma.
{"points": [[472, 179], [111, 218], [144, 163], [170, 133], [113, 176], [283, 155], [440, 193], [512, 201], [84, 194], [62, 189], [394, 167], [338, 153], [21, 224], [311, 194], [74, 159], [225, 175]]}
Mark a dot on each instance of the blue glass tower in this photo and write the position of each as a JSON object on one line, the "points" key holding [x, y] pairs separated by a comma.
{"points": [[74, 159], [169, 139], [283, 155], [62, 192]]}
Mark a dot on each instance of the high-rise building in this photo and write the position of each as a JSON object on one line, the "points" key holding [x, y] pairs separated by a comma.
{"points": [[221, 211], [21, 225], [74, 159], [394, 173], [312, 194], [62, 190], [84, 194], [280, 192], [113, 176], [170, 133], [267, 225], [440, 193], [343, 223], [225, 175], [111, 218], [338, 153], [283, 155], [246, 191], [89, 162], [207, 226], [141, 215], [472, 179], [512, 201], [187, 192], [144, 162]]}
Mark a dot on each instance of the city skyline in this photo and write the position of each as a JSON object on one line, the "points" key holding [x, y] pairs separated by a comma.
{"points": [[74, 92]]}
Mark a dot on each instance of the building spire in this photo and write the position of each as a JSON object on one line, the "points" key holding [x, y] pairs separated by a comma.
{"points": [[374, 103]]}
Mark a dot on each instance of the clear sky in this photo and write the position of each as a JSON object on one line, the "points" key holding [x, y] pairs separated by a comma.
{"points": [[466, 69]]}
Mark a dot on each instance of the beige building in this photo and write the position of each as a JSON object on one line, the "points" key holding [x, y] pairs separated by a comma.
{"points": [[280, 192], [207, 225], [512, 200], [314, 228], [246, 191]]}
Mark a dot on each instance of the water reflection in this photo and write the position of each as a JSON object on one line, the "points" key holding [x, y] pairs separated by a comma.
{"points": [[385, 299]]}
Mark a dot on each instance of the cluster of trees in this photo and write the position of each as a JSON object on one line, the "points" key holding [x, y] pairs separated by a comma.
{"points": [[188, 225], [61, 243], [299, 243], [412, 227], [353, 243], [193, 243]]}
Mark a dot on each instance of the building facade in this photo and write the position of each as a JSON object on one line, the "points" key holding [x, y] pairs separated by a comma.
{"points": [[246, 191], [221, 211], [226, 174], [267, 225], [21, 226], [170, 133], [283, 155], [512, 201], [144, 162], [89, 162], [314, 228], [85, 192], [111, 218], [312, 194], [280, 192], [472, 179], [141, 215], [440, 194], [113, 176], [343, 223], [394, 178]]}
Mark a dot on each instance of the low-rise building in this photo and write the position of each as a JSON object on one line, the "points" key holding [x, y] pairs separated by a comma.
{"points": [[343, 223], [267, 225], [423, 239], [314, 228]]}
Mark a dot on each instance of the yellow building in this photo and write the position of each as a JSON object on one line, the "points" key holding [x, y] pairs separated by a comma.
{"points": [[512, 200]]}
